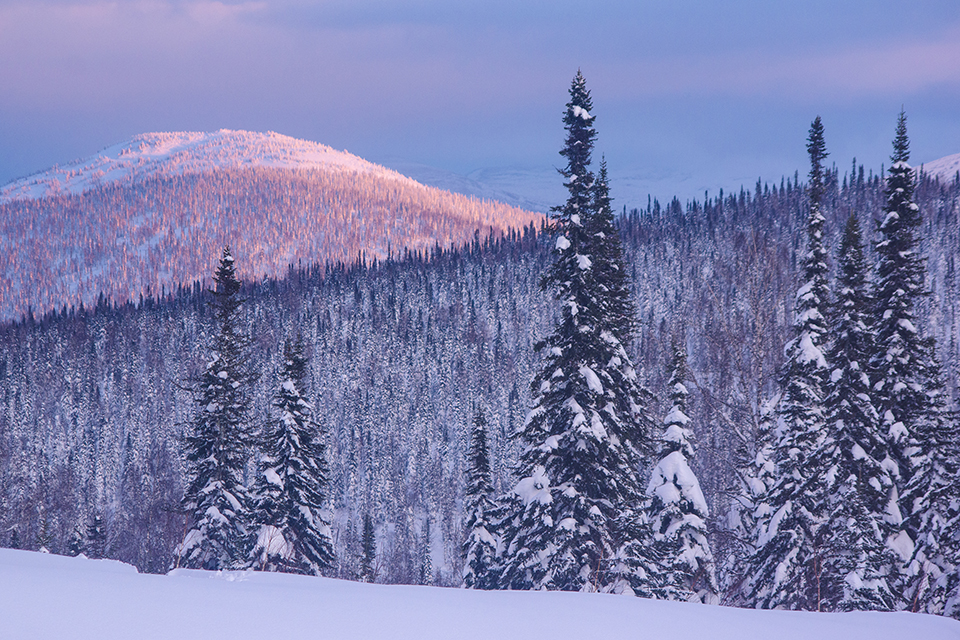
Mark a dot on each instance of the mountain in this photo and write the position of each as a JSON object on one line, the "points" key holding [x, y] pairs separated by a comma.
{"points": [[184, 152], [154, 212], [945, 168], [105, 600]]}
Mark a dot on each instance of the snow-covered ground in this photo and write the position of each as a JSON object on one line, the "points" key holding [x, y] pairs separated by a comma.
{"points": [[182, 152], [54, 597]]}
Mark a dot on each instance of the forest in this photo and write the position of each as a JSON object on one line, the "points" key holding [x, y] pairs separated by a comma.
{"points": [[401, 354]]}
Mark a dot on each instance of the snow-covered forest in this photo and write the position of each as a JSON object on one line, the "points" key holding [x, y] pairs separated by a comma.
{"points": [[124, 238], [403, 353]]}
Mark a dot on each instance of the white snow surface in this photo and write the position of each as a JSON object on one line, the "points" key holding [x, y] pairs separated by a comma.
{"points": [[184, 152], [46, 597], [945, 168]]}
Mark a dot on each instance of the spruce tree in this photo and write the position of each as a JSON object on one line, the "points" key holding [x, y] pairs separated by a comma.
{"points": [[293, 532], [216, 500], [368, 550], [480, 543], [858, 487], [96, 543], [75, 547], [922, 438], [425, 576], [573, 520], [756, 476], [678, 510], [787, 568]]}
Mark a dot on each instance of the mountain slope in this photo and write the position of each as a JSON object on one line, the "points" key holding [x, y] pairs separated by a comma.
{"points": [[106, 599], [945, 168], [155, 212]]}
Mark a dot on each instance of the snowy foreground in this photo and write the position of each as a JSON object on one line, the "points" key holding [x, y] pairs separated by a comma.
{"points": [[46, 597]]}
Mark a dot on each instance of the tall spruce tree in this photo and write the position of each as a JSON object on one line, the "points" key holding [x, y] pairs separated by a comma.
{"points": [[787, 568], [922, 438], [570, 522], [368, 551], [293, 532], [96, 543], [858, 487], [678, 510], [216, 499], [480, 543]]}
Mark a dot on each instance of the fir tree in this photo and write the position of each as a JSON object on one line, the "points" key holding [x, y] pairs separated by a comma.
{"points": [[96, 543], [921, 435], [75, 546], [44, 537], [678, 510], [858, 488], [426, 556], [216, 500], [293, 530], [787, 567], [15, 539], [573, 520], [368, 557], [480, 543], [756, 474]]}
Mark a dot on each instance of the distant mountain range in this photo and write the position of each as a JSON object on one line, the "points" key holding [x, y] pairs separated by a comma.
{"points": [[155, 211]]}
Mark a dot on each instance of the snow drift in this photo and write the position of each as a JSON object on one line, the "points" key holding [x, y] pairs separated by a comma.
{"points": [[52, 597]]}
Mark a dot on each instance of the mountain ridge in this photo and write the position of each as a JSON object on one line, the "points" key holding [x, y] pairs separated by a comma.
{"points": [[185, 152]]}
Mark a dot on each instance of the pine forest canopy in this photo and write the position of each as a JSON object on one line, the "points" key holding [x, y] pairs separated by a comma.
{"points": [[401, 353]]}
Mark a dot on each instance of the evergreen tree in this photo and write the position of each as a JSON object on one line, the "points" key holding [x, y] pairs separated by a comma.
{"points": [[787, 567], [921, 435], [756, 474], [678, 510], [290, 492], [75, 547], [44, 538], [216, 500], [609, 273], [426, 556], [858, 487], [368, 557], [96, 543], [573, 520], [15, 539], [480, 543]]}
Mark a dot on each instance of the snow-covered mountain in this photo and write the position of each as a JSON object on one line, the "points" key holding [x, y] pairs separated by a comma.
{"points": [[945, 168], [155, 211], [46, 597], [184, 152]]}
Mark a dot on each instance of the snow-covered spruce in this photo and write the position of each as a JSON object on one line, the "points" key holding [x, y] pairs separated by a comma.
{"points": [[921, 437], [293, 531], [480, 542], [573, 520], [860, 498], [678, 510], [787, 568], [216, 501], [368, 551]]}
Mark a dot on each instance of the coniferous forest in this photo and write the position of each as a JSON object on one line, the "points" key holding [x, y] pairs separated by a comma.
{"points": [[747, 399]]}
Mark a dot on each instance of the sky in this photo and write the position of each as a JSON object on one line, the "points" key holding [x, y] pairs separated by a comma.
{"points": [[689, 95]]}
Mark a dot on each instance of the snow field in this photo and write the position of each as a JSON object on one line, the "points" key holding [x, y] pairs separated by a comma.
{"points": [[47, 597]]}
